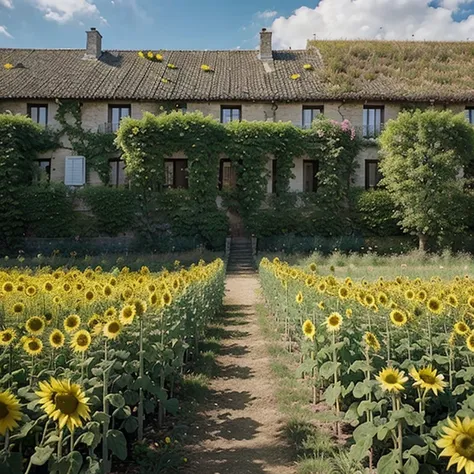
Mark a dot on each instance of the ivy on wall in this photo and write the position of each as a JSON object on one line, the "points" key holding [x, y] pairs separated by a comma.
{"points": [[98, 148]]}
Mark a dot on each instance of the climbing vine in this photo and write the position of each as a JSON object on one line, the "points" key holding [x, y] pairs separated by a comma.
{"points": [[97, 147]]}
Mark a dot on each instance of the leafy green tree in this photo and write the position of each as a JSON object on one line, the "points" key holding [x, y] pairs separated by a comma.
{"points": [[423, 155]]}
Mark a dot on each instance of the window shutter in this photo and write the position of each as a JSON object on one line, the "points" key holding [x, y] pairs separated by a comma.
{"points": [[75, 173]]}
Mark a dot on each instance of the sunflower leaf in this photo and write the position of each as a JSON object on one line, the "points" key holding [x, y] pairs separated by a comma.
{"points": [[41, 455], [116, 400], [117, 443]]}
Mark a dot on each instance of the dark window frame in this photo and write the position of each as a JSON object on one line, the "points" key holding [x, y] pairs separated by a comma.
{"points": [[115, 182], [469, 111], [221, 172], [315, 164], [49, 160], [175, 162], [366, 166], [365, 127], [110, 114], [37, 106], [320, 108], [231, 107]]}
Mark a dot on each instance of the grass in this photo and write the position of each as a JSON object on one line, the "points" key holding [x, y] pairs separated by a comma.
{"points": [[408, 68], [371, 266], [315, 448]]}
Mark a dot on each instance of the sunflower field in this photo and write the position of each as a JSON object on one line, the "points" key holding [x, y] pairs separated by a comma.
{"points": [[390, 360], [86, 358]]}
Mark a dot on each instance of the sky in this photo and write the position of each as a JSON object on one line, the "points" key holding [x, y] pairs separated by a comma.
{"points": [[227, 24]]}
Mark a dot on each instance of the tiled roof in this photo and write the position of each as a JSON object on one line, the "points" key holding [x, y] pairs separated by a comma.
{"points": [[237, 75]]}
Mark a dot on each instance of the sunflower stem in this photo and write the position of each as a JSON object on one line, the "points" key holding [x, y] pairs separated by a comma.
{"points": [[429, 338], [140, 393], [60, 445], [7, 439], [334, 354], [389, 354], [105, 448]]}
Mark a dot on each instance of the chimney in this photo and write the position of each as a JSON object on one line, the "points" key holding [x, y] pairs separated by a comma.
{"points": [[94, 44], [266, 52]]}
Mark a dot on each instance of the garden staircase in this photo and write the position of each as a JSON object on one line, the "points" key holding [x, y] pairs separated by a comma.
{"points": [[241, 261]]}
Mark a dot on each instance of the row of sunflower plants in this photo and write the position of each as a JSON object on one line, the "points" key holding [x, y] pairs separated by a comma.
{"points": [[393, 358], [87, 358]]}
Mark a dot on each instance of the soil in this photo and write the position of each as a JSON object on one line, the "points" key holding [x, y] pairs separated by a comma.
{"points": [[240, 429]]}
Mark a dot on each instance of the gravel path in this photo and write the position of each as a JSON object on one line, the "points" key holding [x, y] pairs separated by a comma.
{"points": [[240, 431]]}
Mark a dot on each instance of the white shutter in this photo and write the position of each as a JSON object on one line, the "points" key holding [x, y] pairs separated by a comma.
{"points": [[75, 173]]}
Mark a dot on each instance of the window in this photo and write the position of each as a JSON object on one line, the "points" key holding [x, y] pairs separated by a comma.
{"points": [[38, 113], [230, 114], [470, 114], [117, 113], [373, 120], [75, 171], [310, 170], [117, 172], [372, 174], [310, 112], [227, 175], [44, 169], [176, 173]]}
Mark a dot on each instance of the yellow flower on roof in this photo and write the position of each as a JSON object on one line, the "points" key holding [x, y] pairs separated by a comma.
{"points": [[308, 67], [295, 76], [158, 57], [164, 80], [172, 66], [150, 55], [205, 68], [8, 66], [141, 54]]}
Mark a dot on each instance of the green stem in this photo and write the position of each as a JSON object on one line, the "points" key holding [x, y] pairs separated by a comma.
{"points": [[141, 374], [105, 448], [60, 445], [389, 354], [429, 338], [334, 355]]}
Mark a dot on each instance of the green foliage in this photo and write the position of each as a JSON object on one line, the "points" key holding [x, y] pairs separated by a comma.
{"points": [[97, 147], [374, 210], [21, 140], [423, 155], [114, 209], [47, 210]]}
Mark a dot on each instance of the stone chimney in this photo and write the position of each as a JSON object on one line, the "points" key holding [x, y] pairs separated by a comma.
{"points": [[266, 51], [94, 44]]}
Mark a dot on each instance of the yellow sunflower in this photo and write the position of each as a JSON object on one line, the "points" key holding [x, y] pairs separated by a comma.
{"points": [[349, 312], [35, 325], [112, 329], [127, 314], [309, 330], [382, 298], [452, 300], [391, 379], [343, 293], [72, 323], [8, 287], [166, 299], [470, 342], [461, 328], [421, 296], [409, 295], [7, 336], [434, 305], [110, 313], [10, 412], [398, 318], [470, 302], [321, 305], [32, 346], [334, 322], [31, 290], [457, 443], [371, 341], [313, 267], [299, 297], [64, 402], [140, 307], [18, 308], [427, 379], [81, 341], [56, 339]]}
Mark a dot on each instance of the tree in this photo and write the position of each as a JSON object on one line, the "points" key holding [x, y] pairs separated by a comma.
{"points": [[423, 155]]}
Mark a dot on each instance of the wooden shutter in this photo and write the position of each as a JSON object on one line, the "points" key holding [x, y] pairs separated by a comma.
{"points": [[75, 172]]}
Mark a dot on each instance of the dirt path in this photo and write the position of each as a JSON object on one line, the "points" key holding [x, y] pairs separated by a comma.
{"points": [[240, 430]]}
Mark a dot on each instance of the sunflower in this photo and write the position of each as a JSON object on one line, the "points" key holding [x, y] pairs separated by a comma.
{"points": [[10, 412], [35, 325], [313, 267], [48, 287], [409, 295], [140, 307], [107, 291], [391, 379], [369, 300], [299, 297], [89, 295], [343, 293], [110, 313], [457, 443], [434, 305], [309, 329], [382, 298], [18, 308], [112, 329], [94, 320], [7, 336], [56, 339], [452, 300], [8, 287], [371, 341], [349, 312], [166, 299], [32, 346], [322, 287], [470, 302], [127, 314], [321, 305], [398, 318], [72, 323], [421, 295], [427, 379], [31, 290], [461, 328], [64, 402], [81, 341], [470, 342], [334, 322]]}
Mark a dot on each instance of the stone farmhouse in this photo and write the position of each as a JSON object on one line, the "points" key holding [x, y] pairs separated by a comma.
{"points": [[366, 82]]}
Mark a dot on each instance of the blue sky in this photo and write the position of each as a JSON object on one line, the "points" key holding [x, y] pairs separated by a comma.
{"points": [[226, 24]]}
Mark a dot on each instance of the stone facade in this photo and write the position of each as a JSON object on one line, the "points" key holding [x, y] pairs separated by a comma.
{"points": [[96, 115]]}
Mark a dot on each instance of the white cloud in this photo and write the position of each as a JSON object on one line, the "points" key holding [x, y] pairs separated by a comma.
{"points": [[378, 19], [3, 31], [6, 3], [63, 11], [267, 14]]}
